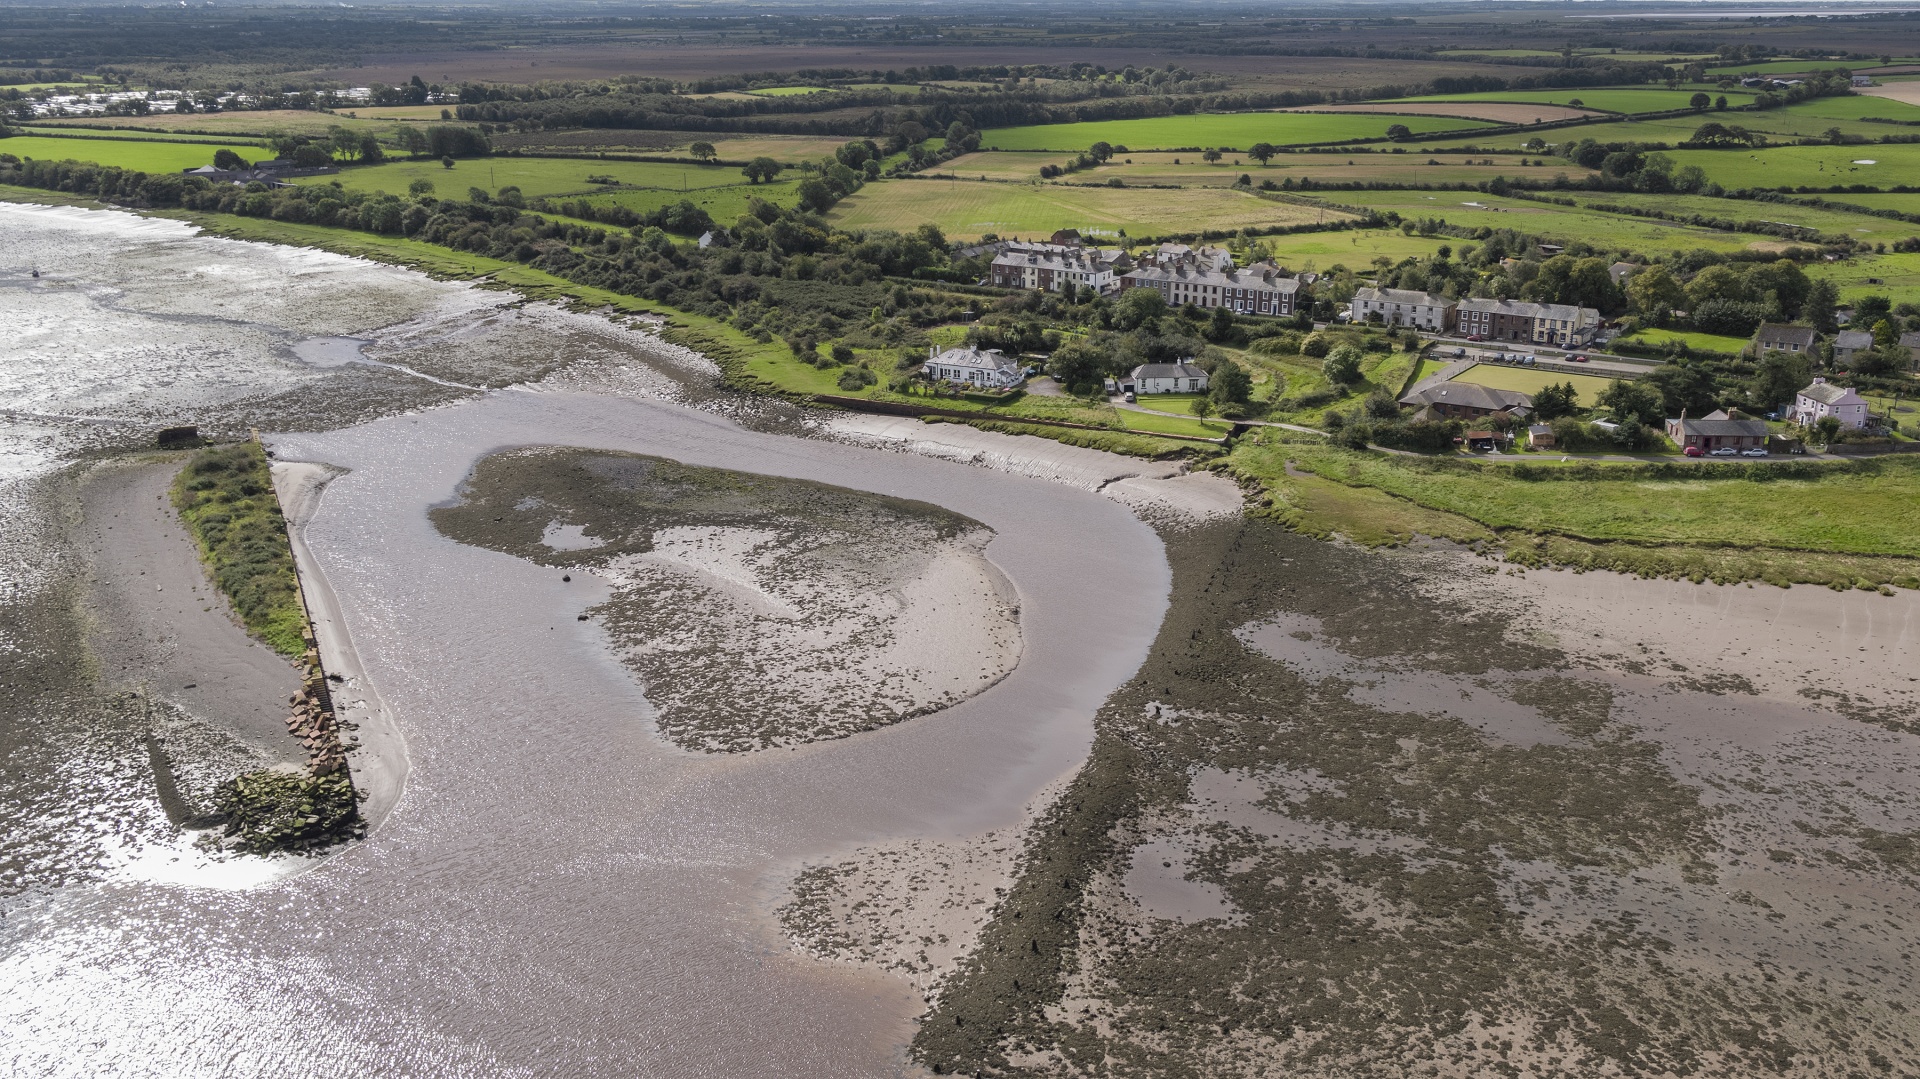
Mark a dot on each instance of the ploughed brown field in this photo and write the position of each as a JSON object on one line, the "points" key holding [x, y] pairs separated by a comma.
{"points": [[701, 61], [1500, 112]]}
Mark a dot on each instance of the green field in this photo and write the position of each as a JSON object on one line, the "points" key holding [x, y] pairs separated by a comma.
{"points": [[1807, 166], [1709, 342], [1906, 203], [723, 204], [1355, 249], [1898, 276], [1603, 99], [1789, 67], [127, 153], [1612, 231], [1871, 511], [536, 177], [1532, 380], [790, 91], [1838, 222], [1188, 170], [968, 209], [1238, 129]]}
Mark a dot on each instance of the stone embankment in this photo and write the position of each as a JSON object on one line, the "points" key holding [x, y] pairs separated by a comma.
{"points": [[312, 720]]}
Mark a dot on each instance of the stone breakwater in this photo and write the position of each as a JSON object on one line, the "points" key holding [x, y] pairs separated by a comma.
{"points": [[312, 720]]}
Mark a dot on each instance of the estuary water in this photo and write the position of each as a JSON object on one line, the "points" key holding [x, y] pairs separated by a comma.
{"points": [[558, 891]]}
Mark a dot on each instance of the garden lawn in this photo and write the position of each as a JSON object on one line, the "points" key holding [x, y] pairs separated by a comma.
{"points": [[127, 153], [969, 209], [1632, 100], [1872, 508], [1708, 342], [1238, 129], [1531, 380], [536, 177], [1807, 166], [1162, 424]]}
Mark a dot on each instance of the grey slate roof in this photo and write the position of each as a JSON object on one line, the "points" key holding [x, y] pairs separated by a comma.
{"points": [[1713, 428], [1401, 295], [1779, 337], [1167, 370], [1825, 392], [1465, 395], [1852, 339]]}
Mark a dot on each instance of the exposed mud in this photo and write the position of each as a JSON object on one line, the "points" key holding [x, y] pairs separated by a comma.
{"points": [[757, 611], [1353, 819]]}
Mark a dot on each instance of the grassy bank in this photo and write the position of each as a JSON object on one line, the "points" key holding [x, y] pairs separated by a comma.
{"points": [[751, 366], [225, 496], [1841, 524]]}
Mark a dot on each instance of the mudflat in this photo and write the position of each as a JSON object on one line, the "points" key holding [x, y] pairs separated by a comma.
{"points": [[159, 624]]}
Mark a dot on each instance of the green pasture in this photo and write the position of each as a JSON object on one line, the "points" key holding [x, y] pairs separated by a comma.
{"points": [[1874, 510], [1807, 166], [968, 209], [1355, 249], [1602, 99], [127, 153], [1532, 380], [1906, 203], [723, 204], [1611, 231], [1788, 67], [58, 130], [1708, 342], [1893, 275], [1834, 222], [1187, 169], [1237, 129], [790, 91], [536, 177]]}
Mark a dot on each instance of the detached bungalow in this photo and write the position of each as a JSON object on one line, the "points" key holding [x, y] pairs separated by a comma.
{"points": [[1167, 378], [1717, 430], [1465, 401]]}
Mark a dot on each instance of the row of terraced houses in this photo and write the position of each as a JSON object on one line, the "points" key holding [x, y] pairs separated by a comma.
{"points": [[1491, 319], [1205, 276]]}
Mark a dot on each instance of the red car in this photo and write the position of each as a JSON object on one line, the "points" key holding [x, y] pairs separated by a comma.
{"points": [[1577, 359], [1694, 451], [1477, 337]]}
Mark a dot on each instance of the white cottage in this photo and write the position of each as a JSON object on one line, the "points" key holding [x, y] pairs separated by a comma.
{"points": [[971, 366], [1167, 378]]}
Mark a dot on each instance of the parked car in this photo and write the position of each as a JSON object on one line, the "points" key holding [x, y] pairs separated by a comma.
{"points": [[1724, 451], [1576, 359], [1526, 361], [1130, 397], [1694, 451], [1477, 337], [1757, 451]]}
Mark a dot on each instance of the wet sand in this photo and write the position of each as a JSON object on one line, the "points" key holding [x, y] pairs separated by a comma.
{"points": [[160, 625], [557, 891], [378, 757]]}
